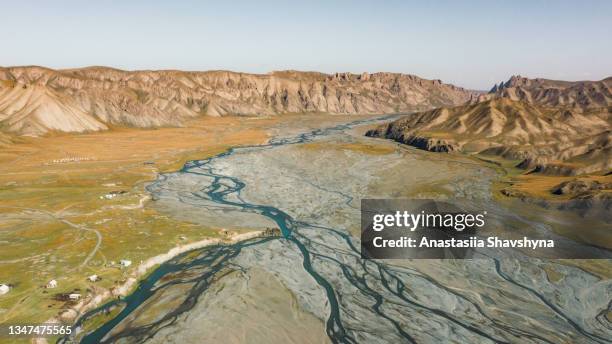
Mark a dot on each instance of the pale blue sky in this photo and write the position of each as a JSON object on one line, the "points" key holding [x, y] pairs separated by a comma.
{"points": [[472, 44]]}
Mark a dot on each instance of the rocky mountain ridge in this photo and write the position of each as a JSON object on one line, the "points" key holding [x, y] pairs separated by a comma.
{"points": [[554, 93], [36, 100]]}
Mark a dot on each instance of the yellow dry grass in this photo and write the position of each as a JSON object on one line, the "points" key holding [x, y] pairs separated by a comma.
{"points": [[355, 147], [540, 186], [47, 181], [38, 190]]}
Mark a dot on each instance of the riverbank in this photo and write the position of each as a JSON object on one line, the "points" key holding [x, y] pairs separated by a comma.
{"points": [[291, 182], [100, 295], [152, 262], [66, 178]]}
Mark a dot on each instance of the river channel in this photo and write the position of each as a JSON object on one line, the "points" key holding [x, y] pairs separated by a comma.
{"points": [[310, 190]]}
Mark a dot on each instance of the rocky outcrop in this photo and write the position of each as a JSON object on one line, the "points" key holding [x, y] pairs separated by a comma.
{"points": [[592, 203], [574, 94], [545, 165], [431, 144], [35, 100], [580, 187], [422, 142]]}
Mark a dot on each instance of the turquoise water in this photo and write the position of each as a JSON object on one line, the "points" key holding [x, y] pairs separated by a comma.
{"points": [[380, 283], [215, 257]]}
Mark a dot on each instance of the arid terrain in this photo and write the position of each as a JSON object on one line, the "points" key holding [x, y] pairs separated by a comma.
{"points": [[235, 199], [37, 100], [542, 128], [57, 223], [553, 93], [78, 146], [321, 288]]}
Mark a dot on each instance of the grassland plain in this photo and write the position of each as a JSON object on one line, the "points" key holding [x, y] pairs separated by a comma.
{"points": [[56, 221]]}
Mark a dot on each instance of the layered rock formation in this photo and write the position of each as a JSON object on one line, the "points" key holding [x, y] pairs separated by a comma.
{"points": [[575, 94], [35, 100], [560, 141]]}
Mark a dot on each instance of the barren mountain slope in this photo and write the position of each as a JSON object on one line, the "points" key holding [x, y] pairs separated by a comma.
{"points": [[34, 109], [550, 140], [34, 100], [577, 94]]}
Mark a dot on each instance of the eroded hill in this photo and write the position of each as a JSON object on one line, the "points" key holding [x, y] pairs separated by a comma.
{"points": [[36, 100], [558, 133], [559, 141]]}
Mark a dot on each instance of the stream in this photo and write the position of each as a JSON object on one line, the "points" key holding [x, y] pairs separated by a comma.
{"points": [[362, 300]]}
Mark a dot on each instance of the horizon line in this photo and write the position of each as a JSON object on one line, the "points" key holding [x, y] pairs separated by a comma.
{"points": [[280, 71]]}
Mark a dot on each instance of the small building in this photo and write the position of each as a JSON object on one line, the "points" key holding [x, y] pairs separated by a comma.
{"points": [[52, 284], [4, 289], [113, 194], [74, 296], [93, 278], [125, 263]]}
